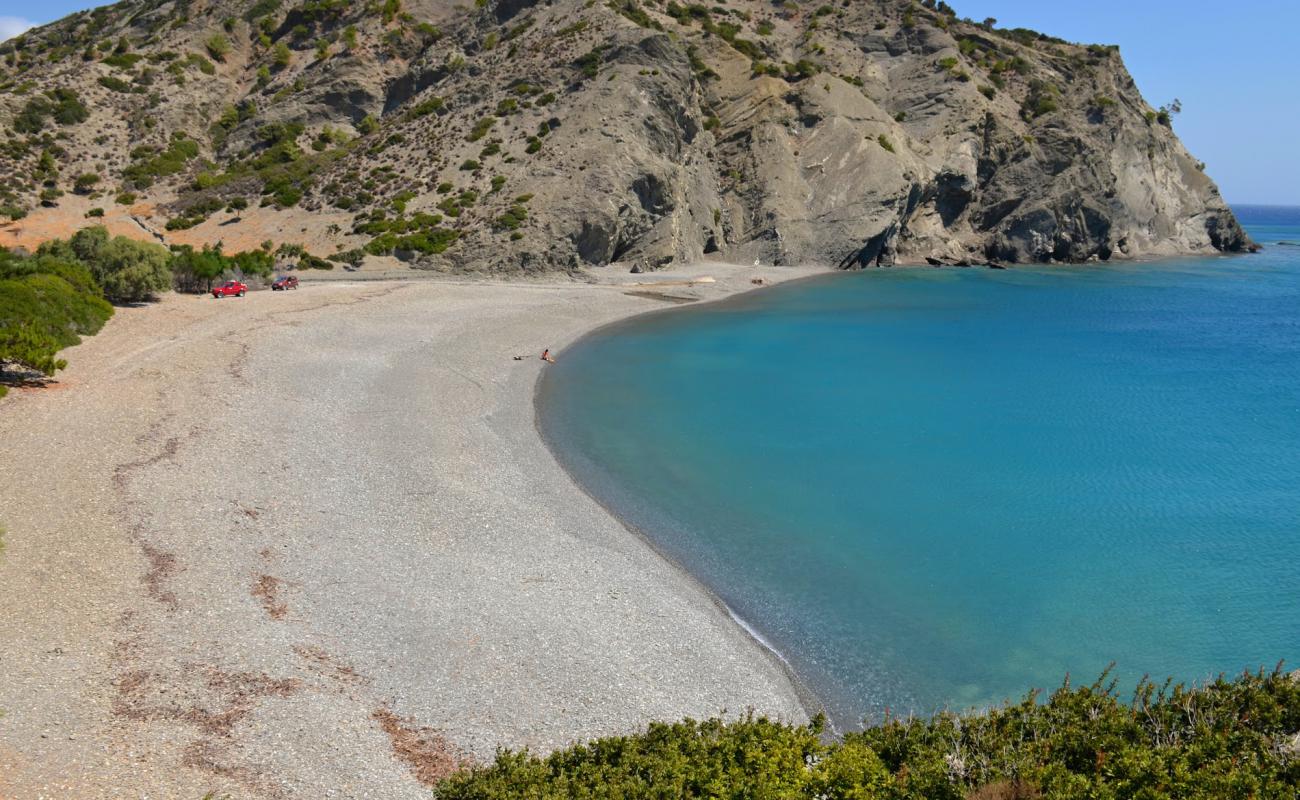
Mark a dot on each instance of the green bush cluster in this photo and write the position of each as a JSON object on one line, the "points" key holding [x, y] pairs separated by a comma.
{"points": [[149, 163], [218, 46], [418, 233], [195, 270], [512, 219], [47, 302], [1042, 99], [425, 107], [633, 11], [114, 84], [729, 32], [801, 69], [453, 206], [1229, 739], [123, 60], [589, 62], [126, 271], [63, 105], [284, 169]]}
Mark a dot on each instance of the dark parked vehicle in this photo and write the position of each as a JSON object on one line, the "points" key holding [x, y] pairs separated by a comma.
{"points": [[285, 282], [228, 288]]}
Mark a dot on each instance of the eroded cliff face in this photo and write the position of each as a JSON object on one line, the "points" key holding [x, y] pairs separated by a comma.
{"points": [[524, 135]]}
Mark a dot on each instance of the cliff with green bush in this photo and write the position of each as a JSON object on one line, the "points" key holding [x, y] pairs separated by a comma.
{"points": [[515, 135]]}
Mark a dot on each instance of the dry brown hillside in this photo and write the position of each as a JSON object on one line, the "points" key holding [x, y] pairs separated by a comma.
{"points": [[522, 135]]}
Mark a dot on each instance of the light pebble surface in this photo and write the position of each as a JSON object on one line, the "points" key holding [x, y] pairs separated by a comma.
{"points": [[272, 546]]}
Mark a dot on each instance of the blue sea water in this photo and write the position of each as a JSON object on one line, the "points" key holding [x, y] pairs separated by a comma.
{"points": [[939, 488]]}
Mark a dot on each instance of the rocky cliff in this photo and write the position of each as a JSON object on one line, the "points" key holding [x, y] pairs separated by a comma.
{"points": [[556, 134]]}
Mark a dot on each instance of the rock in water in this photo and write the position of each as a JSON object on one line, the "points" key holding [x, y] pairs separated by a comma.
{"points": [[521, 135]]}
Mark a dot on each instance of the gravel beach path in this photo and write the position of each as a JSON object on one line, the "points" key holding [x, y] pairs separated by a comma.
{"points": [[310, 544]]}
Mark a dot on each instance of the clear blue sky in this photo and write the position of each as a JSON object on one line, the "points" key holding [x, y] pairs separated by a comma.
{"points": [[1232, 65]]}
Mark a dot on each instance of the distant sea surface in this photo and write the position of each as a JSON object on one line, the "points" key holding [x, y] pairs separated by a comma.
{"points": [[934, 488]]}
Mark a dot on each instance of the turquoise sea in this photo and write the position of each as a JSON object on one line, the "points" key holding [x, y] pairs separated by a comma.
{"points": [[935, 488]]}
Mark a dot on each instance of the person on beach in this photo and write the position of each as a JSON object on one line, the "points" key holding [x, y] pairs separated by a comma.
{"points": [[546, 356]]}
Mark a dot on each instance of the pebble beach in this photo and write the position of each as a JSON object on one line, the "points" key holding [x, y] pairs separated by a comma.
{"points": [[311, 544]]}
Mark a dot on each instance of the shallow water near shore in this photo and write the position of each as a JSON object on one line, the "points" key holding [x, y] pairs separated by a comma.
{"points": [[935, 488]]}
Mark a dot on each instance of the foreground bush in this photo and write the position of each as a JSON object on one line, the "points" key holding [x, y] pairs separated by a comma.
{"points": [[128, 271], [46, 304], [1229, 739]]}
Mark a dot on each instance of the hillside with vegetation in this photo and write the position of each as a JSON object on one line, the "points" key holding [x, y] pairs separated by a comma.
{"points": [[514, 135]]}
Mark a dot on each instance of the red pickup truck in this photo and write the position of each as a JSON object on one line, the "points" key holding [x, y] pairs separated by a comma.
{"points": [[228, 288]]}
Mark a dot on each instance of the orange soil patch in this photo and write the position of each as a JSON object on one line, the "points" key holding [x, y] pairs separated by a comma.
{"points": [[142, 221], [43, 224]]}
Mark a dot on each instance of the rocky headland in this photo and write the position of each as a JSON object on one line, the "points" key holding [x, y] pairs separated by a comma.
{"points": [[513, 135]]}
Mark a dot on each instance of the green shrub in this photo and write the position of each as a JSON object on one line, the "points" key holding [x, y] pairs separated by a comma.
{"points": [[425, 107], [481, 128], [309, 261], [511, 219], [195, 270], [884, 142], [1229, 739], [85, 183], [127, 270], [352, 258], [281, 55], [114, 84], [589, 62], [122, 60], [1042, 99], [634, 12], [801, 69], [218, 46], [151, 165], [63, 105], [47, 303], [125, 198], [469, 164]]}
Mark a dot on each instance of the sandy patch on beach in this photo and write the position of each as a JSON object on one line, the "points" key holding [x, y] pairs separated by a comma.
{"points": [[310, 544]]}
